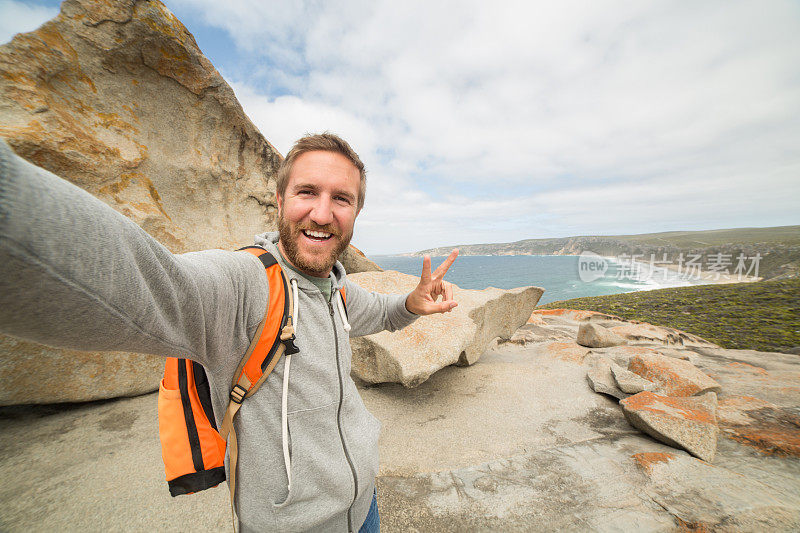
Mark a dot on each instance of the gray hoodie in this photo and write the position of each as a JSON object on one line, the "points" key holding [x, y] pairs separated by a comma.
{"points": [[74, 273]]}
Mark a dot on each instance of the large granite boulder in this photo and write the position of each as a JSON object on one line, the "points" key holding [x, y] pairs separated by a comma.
{"points": [[433, 342], [117, 98]]}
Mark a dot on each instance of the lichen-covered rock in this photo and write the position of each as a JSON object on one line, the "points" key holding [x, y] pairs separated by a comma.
{"points": [[761, 425], [433, 342], [595, 336], [688, 423], [673, 377], [629, 382], [117, 98]]}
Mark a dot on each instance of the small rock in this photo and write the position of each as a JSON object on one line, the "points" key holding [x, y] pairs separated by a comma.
{"points": [[687, 423], [601, 379], [642, 332], [673, 377], [595, 336], [629, 382]]}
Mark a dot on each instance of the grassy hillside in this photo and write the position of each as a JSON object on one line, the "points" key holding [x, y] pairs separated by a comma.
{"points": [[786, 235], [759, 316]]}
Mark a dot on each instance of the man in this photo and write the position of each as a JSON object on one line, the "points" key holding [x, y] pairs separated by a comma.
{"points": [[76, 274]]}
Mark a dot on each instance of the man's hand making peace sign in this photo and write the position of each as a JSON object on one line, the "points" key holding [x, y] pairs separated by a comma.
{"points": [[423, 300]]}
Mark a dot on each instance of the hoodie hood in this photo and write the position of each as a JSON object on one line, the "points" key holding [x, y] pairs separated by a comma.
{"points": [[269, 241]]}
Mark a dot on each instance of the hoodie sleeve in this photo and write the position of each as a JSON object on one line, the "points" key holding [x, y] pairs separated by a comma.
{"points": [[76, 274], [370, 312]]}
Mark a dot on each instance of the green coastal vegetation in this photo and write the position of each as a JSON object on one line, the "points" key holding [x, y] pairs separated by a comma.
{"points": [[762, 316]]}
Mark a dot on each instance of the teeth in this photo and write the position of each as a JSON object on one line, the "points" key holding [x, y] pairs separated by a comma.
{"points": [[318, 234]]}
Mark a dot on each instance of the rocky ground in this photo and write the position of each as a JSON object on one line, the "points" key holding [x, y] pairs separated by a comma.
{"points": [[517, 441]]}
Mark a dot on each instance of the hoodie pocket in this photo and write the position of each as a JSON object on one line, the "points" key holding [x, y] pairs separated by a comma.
{"points": [[321, 480]]}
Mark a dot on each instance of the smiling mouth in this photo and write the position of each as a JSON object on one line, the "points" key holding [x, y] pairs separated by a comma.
{"points": [[317, 236]]}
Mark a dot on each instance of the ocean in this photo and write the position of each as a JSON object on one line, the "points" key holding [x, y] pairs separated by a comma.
{"points": [[557, 274]]}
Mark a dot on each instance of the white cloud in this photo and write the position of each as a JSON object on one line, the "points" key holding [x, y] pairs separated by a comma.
{"points": [[498, 122], [19, 17]]}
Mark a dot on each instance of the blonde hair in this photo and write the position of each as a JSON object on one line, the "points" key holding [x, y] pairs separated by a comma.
{"points": [[325, 142]]}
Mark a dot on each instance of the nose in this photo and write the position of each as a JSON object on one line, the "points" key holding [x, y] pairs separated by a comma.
{"points": [[322, 212]]}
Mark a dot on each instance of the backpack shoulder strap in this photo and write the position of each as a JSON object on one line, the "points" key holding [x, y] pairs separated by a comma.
{"points": [[275, 334], [274, 338]]}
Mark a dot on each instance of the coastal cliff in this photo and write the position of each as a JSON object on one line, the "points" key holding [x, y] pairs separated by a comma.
{"points": [[778, 248]]}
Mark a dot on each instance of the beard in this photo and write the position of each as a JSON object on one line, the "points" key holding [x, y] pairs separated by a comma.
{"points": [[315, 265]]}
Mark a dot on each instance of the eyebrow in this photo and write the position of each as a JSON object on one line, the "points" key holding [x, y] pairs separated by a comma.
{"points": [[314, 188]]}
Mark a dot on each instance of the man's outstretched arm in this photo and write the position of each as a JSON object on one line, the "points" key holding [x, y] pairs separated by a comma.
{"points": [[74, 273]]}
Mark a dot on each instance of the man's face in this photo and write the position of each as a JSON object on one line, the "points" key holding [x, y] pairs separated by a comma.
{"points": [[321, 196]]}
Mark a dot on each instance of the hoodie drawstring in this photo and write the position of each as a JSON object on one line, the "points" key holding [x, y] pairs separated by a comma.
{"points": [[342, 314], [284, 397], [287, 365]]}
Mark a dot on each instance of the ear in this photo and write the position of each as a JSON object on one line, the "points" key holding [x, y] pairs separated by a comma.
{"points": [[280, 202]]}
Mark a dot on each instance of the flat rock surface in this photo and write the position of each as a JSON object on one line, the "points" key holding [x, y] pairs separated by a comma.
{"points": [[517, 441]]}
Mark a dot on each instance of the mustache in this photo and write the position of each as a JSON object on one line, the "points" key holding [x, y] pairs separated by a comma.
{"points": [[327, 229]]}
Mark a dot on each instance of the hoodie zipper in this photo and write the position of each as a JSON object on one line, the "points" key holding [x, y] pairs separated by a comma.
{"points": [[339, 416]]}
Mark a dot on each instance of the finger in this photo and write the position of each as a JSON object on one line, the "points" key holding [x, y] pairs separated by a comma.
{"points": [[446, 307], [448, 291], [442, 307], [437, 290], [440, 271], [426, 270]]}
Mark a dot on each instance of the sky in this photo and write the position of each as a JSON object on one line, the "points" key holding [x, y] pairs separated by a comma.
{"points": [[493, 122]]}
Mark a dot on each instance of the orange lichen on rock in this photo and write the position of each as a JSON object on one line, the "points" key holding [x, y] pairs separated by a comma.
{"points": [[112, 120], [646, 460], [749, 369], [573, 314], [696, 527], [567, 351], [769, 429], [536, 319], [635, 350], [686, 408], [674, 377]]}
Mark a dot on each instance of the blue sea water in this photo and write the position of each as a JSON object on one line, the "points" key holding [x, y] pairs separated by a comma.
{"points": [[557, 274]]}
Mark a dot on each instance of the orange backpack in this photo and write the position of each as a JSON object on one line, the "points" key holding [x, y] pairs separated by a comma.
{"points": [[192, 447]]}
